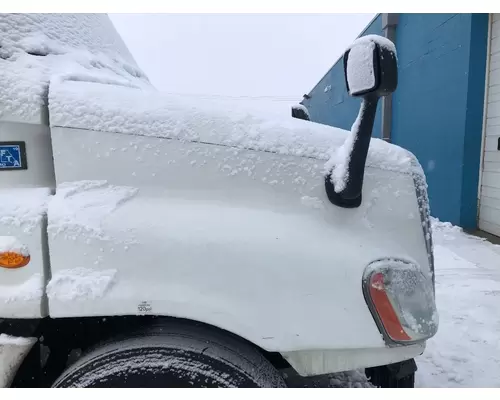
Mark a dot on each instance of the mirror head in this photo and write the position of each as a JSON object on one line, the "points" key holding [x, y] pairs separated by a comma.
{"points": [[370, 67]]}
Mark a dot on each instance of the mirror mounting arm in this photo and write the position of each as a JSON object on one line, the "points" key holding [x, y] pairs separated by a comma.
{"points": [[351, 196], [371, 72]]}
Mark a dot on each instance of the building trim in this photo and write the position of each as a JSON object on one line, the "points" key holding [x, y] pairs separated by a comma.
{"points": [[485, 116]]}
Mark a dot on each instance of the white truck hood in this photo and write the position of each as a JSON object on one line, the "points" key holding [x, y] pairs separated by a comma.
{"points": [[242, 125]]}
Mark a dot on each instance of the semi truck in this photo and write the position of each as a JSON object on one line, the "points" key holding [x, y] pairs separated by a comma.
{"points": [[158, 240]]}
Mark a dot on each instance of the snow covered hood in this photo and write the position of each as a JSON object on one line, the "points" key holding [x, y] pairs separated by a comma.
{"points": [[37, 47], [125, 110]]}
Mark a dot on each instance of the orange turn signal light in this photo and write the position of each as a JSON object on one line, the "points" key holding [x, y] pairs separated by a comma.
{"points": [[12, 259], [385, 309]]}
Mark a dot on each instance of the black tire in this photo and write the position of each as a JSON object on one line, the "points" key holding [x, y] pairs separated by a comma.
{"points": [[178, 355], [384, 377]]}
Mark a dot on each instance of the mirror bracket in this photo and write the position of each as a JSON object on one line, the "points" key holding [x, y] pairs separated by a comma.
{"points": [[378, 73]]}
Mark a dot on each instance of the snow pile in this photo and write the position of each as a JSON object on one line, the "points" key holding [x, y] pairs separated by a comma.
{"points": [[122, 110], [30, 290], [37, 47], [446, 229], [6, 340], [78, 208], [11, 244], [80, 283], [23, 208]]}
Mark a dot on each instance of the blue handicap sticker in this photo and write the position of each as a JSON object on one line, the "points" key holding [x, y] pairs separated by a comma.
{"points": [[12, 156]]}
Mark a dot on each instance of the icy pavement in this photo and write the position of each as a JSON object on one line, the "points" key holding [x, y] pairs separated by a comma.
{"points": [[466, 350]]}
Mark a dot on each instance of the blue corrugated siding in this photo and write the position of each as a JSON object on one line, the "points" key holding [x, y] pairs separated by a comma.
{"points": [[438, 106], [474, 121], [330, 104]]}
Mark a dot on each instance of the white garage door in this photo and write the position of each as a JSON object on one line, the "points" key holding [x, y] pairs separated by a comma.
{"points": [[489, 204]]}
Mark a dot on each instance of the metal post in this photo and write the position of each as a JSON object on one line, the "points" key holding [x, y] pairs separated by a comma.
{"points": [[389, 24]]}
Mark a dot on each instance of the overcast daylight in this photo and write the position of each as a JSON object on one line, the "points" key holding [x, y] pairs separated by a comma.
{"points": [[281, 55]]}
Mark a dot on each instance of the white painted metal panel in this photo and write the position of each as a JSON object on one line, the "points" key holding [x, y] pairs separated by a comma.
{"points": [[491, 143], [491, 203], [493, 131], [489, 199], [491, 179], [492, 156]]}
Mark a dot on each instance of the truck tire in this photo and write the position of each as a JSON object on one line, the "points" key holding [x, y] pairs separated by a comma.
{"points": [[179, 355], [399, 375]]}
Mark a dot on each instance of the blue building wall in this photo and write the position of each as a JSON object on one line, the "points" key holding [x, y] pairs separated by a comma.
{"points": [[330, 104], [437, 107]]}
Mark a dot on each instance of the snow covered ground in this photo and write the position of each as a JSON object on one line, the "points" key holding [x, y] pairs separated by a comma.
{"points": [[466, 350]]}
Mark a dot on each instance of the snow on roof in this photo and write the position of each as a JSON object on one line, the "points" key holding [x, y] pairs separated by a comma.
{"points": [[147, 113], [37, 47]]}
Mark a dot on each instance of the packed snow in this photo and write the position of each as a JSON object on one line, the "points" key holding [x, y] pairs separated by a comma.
{"points": [[79, 208], [80, 284], [23, 208], [30, 290], [35, 48]]}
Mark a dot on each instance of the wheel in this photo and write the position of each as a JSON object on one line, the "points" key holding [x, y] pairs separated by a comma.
{"points": [[181, 355], [399, 375]]}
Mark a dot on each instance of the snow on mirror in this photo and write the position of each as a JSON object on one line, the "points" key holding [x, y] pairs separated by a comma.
{"points": [[360, 71]]}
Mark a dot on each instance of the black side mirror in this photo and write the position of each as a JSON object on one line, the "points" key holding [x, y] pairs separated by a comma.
{"points": [[300, 112], [370, 69]]}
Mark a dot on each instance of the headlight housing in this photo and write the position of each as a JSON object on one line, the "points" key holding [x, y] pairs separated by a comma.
{"points": [[401, 300]]}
